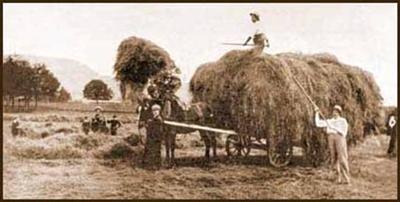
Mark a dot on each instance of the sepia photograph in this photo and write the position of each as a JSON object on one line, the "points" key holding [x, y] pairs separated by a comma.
{"points": [[200, 101]]}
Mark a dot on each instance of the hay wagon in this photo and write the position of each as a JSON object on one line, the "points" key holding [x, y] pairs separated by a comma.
{"points": [[280, 151]]}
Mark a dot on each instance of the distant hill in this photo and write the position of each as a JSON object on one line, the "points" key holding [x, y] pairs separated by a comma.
{"points": [[73, 75]]}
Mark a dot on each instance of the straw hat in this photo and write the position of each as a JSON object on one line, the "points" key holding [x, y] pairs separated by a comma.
{"points": [[155, 107], [98, 108], [338, 108]]}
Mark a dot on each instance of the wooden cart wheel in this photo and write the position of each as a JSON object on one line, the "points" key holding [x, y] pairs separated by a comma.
{"points": [[235, 147], [315, 153], [232, 145], [246, 148], [280, 153]]}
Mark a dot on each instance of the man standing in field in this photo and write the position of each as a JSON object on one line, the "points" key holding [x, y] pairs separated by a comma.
{"points": [[336, 128], [98, 121], [86, 125], [392, 132], [114, 125], [154, 132], [259, 38], [15, 127]]}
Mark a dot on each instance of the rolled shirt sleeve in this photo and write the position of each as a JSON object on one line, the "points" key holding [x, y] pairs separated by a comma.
{"points": [[335, 126], [318, 122]]}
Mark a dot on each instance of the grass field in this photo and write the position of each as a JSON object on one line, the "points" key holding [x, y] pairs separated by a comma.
{"points": [[70, 165], [77, 106]]}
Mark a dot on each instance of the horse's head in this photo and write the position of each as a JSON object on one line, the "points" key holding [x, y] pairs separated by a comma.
{"points": [[172, 109]]}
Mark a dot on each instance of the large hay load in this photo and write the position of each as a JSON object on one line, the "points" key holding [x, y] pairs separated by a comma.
{"points": [[256, 96], [138, 60]]}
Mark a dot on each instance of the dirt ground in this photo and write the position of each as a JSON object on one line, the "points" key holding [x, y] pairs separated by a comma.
{"points": [[69, 165]]}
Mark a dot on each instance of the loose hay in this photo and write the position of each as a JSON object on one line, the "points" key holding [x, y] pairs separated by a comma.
{"points": [[123, 150], [134, 139], [35, 130], [74, 145], [255, 95], [58, 146]]}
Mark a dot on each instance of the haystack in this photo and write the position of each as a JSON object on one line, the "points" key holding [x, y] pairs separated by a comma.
{"points": [[137, 61], [256, 95]]}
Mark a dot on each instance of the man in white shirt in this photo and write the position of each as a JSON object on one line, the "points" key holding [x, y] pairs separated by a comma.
{"points": [[15, 127], [259, 38], [337, 128]]}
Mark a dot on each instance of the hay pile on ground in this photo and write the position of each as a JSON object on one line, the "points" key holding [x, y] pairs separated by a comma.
{"points": [[74, 145], [255, 95], [137, 61], [35, 130], [38, 118]]}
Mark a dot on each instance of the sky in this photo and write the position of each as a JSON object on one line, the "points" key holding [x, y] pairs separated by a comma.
{"points": [[363, 35]]}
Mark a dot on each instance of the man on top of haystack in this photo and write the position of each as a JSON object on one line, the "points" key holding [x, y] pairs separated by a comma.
{"points": [[259, 38]]}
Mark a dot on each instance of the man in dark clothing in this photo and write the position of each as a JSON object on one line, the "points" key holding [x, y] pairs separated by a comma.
{"points": [[15, 127], [392, 132], [86, 125], [154, 131], [114, 125], [98, 121]]}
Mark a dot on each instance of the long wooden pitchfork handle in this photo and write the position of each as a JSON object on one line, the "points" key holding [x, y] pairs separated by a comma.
{"points": [[302, 89]]}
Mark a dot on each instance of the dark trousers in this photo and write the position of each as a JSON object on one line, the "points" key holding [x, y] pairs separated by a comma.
{"points": [[393, 140], [152, 151], [113, 132]]}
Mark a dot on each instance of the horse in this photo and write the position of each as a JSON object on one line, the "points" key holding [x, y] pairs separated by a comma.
{"points": [[197, 113], [172, 110]]}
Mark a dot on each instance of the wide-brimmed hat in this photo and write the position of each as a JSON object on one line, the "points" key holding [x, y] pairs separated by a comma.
{"points": [[98, 108], [155, 107], [255, 14], [338, 108]]}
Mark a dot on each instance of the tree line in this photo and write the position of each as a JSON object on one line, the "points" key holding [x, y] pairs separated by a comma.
{"points": [[26, 82]]}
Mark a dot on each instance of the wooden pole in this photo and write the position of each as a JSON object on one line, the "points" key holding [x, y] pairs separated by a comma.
{"points": [[198, 127], [300, 86], [237, 44]]}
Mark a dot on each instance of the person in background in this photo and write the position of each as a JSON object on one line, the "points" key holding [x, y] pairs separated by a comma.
{"points": [[98, 121], [86, 125], [259, 38], [15, 127], [392, 132], [337, 128], [114, 125], [154, 132]]}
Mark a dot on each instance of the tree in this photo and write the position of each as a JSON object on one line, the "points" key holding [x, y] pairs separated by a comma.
{"points": [[18, 80], [9, 77], [23, 81], [138, 61], [97, 90], [47, 83], [63, 95]]}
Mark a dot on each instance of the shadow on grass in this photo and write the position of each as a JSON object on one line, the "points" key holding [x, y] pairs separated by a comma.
{"points": [[257, 160]]}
